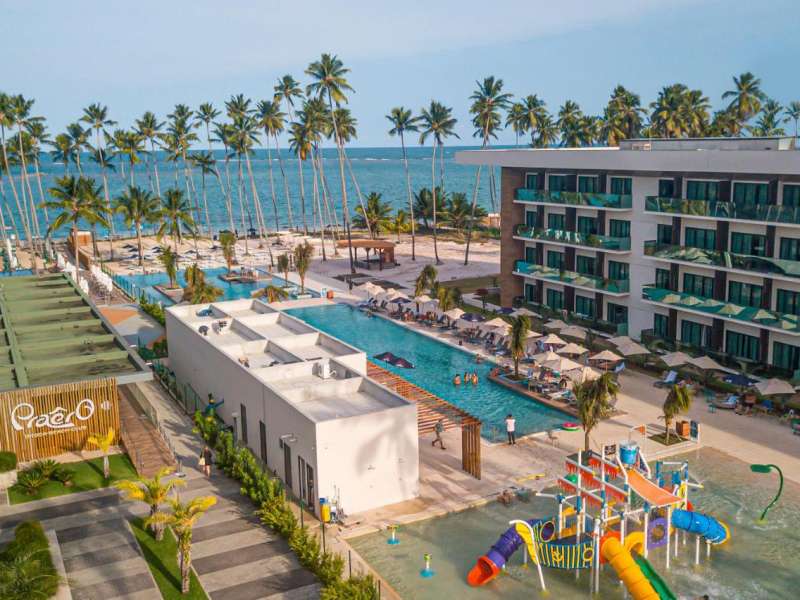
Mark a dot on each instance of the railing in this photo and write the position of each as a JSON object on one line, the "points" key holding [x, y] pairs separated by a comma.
{"points": [[610, 286], [591, 200], [758, 317], [769, 213], [573, 318], [600, 242], [743, 262]]}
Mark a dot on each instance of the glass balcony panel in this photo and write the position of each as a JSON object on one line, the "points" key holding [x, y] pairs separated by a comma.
{"points": [[611, 286], [768, 213], [591, 200], [601, 242]]}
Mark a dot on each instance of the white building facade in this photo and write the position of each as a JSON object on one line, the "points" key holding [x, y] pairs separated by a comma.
{"points": [[695, 242], [300, 400]]}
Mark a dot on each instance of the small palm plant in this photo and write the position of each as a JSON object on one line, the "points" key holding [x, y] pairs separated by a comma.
{"points": [[169, 259], [104, 443], [154, 492], [228, 243], [182, 519], [425, 279], [446, 297], [272, 293], [520, 327], [678, 401], [302, 262], [283, 266], [594, 402]]}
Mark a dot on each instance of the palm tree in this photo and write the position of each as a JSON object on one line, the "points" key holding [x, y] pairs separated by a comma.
{"points": [[180, 130], [678, 401], [595, 400], [402, 121], [667, 117], [151, 491], [518, 336], [769, 120], [622, 117], [194, 277], [138, 206], [104, 443], [130, 145], [437, 122], [62, 150], [300, 144], [487, 102], [282, 264], [346, 125], [96, 116], [548, 132], [148, 128], [176, 216], [515, 118], [400, 222], [169, 260], [273, 121], [287, 89], [425, 279], [272, 293], [793, 114], [746, 97], [183, 518], [79, 143], [75, 198], [38, 138], [329, 81], [532, 112], [208, 166], [223, 134], [570, 122], [204, 292], [461, 215], [376, 217], [227, 241], [302, 261]]}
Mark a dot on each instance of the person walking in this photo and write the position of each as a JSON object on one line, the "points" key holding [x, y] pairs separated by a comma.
{"points": [[439, 429], [511, 425], [205, 461]]}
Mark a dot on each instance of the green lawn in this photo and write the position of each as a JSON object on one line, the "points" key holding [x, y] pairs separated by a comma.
{"points": [[88, 476], [162, 558]]}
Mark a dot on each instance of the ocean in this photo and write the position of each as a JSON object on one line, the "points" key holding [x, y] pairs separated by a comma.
{"points": [[376, 170]]}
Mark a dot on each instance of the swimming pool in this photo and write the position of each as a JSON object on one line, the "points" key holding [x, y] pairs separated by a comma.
{"points": [[759, 562], [135, 284], [435, 364]]}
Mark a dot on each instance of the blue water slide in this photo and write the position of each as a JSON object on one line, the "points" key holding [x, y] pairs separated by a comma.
{"points": [[489, 565], [710, 528]]}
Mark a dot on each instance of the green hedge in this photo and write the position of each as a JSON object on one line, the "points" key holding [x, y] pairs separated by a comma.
{"points": [[26, 566], [267, 493], [8, 461], [153, 309]]}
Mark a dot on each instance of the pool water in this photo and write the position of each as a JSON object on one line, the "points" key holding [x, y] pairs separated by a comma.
{"points": [[230, 290], [759, 562], [435, 364]]}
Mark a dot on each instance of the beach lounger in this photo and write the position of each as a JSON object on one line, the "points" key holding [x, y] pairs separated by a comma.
{"points": [[670, 379], [730, 403]]}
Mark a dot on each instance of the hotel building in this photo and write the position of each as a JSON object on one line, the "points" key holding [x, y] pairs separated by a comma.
{"points": [[694, 241]]}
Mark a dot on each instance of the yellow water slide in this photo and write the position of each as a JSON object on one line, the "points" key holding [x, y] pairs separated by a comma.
{"points": [[626, 568]]}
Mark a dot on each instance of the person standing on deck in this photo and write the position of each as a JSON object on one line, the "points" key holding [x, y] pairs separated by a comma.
{"points": [[439, 429], [511, 425]]}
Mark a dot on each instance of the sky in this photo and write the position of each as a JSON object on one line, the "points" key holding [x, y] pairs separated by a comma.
{"points": [[147, 55]]}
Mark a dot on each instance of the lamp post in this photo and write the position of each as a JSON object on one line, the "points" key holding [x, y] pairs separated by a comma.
{"points": [[766, 469]]}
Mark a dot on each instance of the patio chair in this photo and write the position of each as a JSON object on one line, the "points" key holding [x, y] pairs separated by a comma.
{"points": [[670, 379], [730, 403]]}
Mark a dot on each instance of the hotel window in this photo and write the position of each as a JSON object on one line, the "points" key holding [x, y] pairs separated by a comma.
{"points": [[661, 326], [698, 285], [555, 299], [664, 234], [705, 239], [588, 184], [749, 243], [618, 228], [555, 260], [791, 195], [621, 186], [746, 294], [557, 183], [741, 345], [785, 356], [531, 216], [751, 193], [556, 221], [532, 181], [530, 292], [788, 302], [617, 314], [530, 255], [666, 188], [790, 248], [618, 270], [663, 279], [585, 265], [695, 334], [584, 306], [587, 225], [702, 190]]}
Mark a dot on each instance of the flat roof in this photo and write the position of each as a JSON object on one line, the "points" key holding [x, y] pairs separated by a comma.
{"points": [[52, 333]]}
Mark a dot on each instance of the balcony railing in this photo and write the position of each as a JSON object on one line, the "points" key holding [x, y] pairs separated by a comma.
{"points": [[760, 317], [573, 318], [609, 286], [591, 200], [768, 213], [743, 262], [600, 242]]}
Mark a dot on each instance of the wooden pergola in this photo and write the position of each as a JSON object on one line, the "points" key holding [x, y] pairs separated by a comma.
{"points": [[383, 248], [430, 410]]}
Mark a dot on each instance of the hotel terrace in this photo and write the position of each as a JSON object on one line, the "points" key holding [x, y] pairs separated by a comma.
{"points": [[694, 241]]}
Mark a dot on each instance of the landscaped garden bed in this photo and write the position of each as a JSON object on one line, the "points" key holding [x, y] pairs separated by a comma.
{"points": [[27, 566]]}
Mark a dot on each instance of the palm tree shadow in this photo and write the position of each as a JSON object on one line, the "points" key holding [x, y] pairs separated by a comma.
{"points": [[155, 563]]}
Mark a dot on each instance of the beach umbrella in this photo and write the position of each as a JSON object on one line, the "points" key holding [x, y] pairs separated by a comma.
{"points": [[620, 340], [497, 322], [385, 357], [473, 317], [692, 301], [730, 310], [462, 324], [710, 303], [561, 364], [524, 312], [632, 349], [552, 339], [671, 299], [401, 362], [675, 359], [545, 356], [774, 387], [572, 349], [555, 324], [606, 356], [423, 299], [506, 310], [706, 363], [574, 331], [584, 374], [454, 313], [367, 287], [763, 315], [788, 325]]}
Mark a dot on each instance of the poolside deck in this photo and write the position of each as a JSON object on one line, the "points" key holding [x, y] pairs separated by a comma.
{"points": [[560, 406]]}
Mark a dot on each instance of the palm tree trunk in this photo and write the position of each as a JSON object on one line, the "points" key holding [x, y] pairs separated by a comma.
{"points": [[205, 203], [155, 168], [472, 214], [31, 222], [285, 183], [327, 202], [319, 208], [76, 253], [302, 193], [186, 563], [139, 241], [358, 192], [106, 194], [433, 192], [42, 198], [228, 190], [262, 226], [345, 210], [272, 185], [410, 201], [586, 442], [239, 190]]}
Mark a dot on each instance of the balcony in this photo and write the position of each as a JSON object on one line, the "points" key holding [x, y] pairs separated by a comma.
{"points": [[581, 199], [727, 211], [613, 287], [728, 311], [573, 238], [788, 270]]}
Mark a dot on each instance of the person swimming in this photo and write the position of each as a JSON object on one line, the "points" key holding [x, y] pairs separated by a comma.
{"points": [[457, 380], [474, 378]]}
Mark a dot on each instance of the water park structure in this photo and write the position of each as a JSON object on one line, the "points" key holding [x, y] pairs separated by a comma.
{"points": [[612, 508]]}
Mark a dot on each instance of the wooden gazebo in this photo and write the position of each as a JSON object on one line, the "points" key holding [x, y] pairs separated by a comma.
{"points": [[383, 249]]}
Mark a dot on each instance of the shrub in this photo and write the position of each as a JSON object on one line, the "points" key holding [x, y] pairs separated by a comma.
{"points": [[26, 567], [64, 475], [30, 481], [8, 461], [46, 467]]}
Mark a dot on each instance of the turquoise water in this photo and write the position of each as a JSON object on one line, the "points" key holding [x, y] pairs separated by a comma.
{"points": [[435, 365], [759, 562], [230, 290]]}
